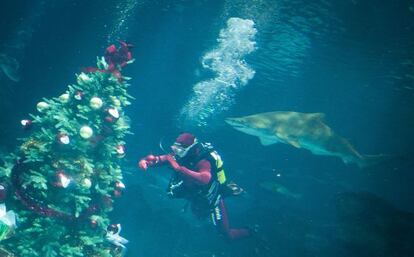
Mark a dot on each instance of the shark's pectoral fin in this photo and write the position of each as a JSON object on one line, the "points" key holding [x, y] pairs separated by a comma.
{"points": [[267, 141], [288, 140], [293, 143]]}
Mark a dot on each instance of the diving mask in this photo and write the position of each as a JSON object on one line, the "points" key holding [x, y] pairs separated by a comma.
{"points": [[180, 150]]}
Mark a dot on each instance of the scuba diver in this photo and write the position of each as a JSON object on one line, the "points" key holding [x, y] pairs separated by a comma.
{"points": [[199, 178]]}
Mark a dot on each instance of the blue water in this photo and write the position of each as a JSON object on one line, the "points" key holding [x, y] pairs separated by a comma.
{"points": [[352, 60]]}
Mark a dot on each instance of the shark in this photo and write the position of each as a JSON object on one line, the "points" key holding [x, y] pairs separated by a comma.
{"points": [[301, 130], [13, 48], [10, 67]]}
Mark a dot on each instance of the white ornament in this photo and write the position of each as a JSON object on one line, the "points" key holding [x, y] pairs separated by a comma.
{"points": [[120, 149], [26, 123], [64, 139], [63, 180], [83, 79], [85, 132], [42, 106], [78, 95], [120, 185], [113, 112], [64, 98], [95, 103], [87, 183]]}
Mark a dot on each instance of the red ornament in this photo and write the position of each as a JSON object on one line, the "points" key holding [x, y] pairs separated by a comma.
{"points": [[78, 95], [3, 193], [96, 140], [109, 119], [26, 123], [107, 130], [93, 223], [116, 193], [107, 202]]}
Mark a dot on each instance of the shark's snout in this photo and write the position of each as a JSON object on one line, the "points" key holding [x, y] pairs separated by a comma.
{"points": [[234, 122]]}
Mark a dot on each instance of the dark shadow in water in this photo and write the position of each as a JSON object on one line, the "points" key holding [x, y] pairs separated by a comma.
{"points": [[370, 226]]}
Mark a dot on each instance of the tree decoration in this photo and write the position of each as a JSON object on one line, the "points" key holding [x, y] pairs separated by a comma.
{"points": [[119, 188], [112, 235], [86, 132], [86, 183], [117, 193], [3, 193], [113, 112], [120, 151], [109, 119], [26, 123], [115, 101], [93, 222], [119, 185], [83, 79], [61, 180], [107, 202], [54, 189], [64, 98], [62, 139], [112, 115], [95, 103], [42, 106], [78, 95], [113, 228], [7, 222]]}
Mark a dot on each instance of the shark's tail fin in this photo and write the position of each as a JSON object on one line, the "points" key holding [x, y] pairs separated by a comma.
{"points": [[372, 160]]}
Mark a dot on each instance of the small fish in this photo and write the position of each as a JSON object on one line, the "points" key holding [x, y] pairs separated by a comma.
{"points": [[279, 189]]}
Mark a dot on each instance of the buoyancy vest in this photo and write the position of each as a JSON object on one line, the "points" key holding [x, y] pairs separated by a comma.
{"points": [[209, 192]]}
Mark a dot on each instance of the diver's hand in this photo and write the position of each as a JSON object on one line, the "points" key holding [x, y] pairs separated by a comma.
{"points": [[148, 161], [173, 163], [143, 164]]}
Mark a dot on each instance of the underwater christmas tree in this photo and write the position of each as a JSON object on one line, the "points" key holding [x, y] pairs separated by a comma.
{"points": [[59, 186]]}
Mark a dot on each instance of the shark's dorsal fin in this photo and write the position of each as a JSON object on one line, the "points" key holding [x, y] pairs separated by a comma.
{"points": [[267, 141], [318, 115]]}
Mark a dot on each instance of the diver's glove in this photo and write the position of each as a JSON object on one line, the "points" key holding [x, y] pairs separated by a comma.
{"points": [[148, 161], [173, 163]]}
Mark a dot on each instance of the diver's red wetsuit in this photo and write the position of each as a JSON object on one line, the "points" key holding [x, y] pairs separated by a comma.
{"points": [[201, 175], [116, 59]]}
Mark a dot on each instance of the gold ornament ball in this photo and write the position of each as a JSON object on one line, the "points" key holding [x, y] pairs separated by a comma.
{"points": [[95, 103], [64, 98], [42, 106], [116, 101], [87, 183], [85, 132]]}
